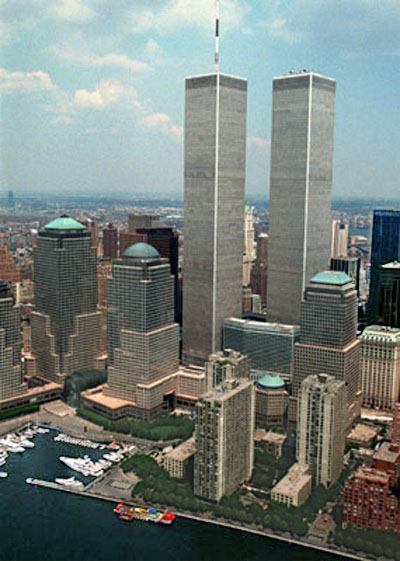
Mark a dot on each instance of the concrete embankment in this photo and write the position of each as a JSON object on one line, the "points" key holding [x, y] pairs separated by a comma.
{"points": [[226, 524]]}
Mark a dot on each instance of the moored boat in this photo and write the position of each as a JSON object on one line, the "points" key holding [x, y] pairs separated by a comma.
{"points": [[129, 513]]}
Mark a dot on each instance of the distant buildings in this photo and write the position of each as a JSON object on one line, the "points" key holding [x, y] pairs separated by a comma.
{"points": [[215, 157], [270, 346], [339, 239], [66, 324], [8, 268], [10, 199], [225, 365], [349, 265], [248, 252], [110, 242], [300, 192], [136, 221], [328, 338], [11, 378], [224, 427], [385, 249], [321, 427], [380, 366], [259, 272], [389, 297]]}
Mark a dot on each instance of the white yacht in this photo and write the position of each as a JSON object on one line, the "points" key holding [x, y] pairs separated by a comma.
{"points": [[114, 457], [3, 474], [10, 445], [70, 482], [22, 441], [83, 465]]}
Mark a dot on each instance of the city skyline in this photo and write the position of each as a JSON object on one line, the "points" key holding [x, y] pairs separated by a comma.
{"points": [[82, 84]]}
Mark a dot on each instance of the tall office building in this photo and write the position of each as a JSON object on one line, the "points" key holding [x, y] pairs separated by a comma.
{"points": [[143, 340], [10, 199], [380, 366], [351, 266], [66, 325], [110, 242], [339, 239], [328, 338], [224, 437], [321, 427], [248, 250], [300, 189], [385, 249], [259, 272], [270, 346], [11, 379], [215, 158], [389, 298]]}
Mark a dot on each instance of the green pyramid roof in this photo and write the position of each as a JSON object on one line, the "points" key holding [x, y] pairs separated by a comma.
{"points": [[64, 223], [141, 251], [332, 277]]}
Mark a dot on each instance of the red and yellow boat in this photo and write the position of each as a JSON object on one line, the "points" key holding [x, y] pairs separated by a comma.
{"points": [[129, 513]]}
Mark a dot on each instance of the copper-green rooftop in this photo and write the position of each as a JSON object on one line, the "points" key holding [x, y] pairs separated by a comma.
{"points": [[338, 278], [141, 251], [269, 382], [64, 223]]}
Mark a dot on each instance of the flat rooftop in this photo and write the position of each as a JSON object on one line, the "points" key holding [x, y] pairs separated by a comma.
{"points": [[388, 452], [363, 433], [183, 451], [261, 435], [226, 389], [295, 479]]}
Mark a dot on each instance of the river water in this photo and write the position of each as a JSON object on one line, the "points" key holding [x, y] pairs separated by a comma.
{"points": [[39, 524]]}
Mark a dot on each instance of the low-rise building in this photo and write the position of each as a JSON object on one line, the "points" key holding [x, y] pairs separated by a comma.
{"points": [[271, 442], [387, 460], [179, 462], [295, 488]]}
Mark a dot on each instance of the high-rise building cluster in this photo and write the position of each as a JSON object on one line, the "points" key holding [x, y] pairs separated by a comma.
{"points": [[294, 360]]}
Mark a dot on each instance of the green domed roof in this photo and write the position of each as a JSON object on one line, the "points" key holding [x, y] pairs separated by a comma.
{"points": [[332, 277], [269, 382], [64, 223], [141, 251]]}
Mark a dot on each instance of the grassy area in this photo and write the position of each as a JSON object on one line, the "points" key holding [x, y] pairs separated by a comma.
{"points": [[164, 427], [268, 469], [20, 411]]}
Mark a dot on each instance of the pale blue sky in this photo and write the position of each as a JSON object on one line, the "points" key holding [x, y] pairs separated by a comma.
{"points": [[93, 90]]}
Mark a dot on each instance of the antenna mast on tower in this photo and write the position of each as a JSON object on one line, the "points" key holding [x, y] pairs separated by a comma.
{"points": [[216, 58]]}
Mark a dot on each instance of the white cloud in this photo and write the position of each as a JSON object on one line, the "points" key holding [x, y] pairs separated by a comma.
{"points": [[25, 81], [164, 124], [258, 142], [106, 60], [188, 14], [359, 26], [62, 120], [71, 10], [106, 93]]}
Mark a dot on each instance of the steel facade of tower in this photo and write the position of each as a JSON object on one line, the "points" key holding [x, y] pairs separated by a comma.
{"points": [[385, 249], [143, 340], [65, 326], [328, 338], [215, 160], [300, 189]]}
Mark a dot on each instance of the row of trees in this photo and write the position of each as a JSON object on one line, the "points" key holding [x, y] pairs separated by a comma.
{"points": [[164, 427], [19, 411], [268, 469], [370, 541]]}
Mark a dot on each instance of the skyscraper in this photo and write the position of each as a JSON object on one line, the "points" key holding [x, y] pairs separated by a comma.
{"points": [[110, 242], [224, 428], [339, 238], [389, 298], [66, 325], [380, 366], [328, 338], [321, 427], [259, 272], [143, 340], [385, 249], [215, 157], [300, 189], [225, 365], [248, 251], [11, 379]]}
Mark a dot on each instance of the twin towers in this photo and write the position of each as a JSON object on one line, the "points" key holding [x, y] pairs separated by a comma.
{"points": [[214, 199]]}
